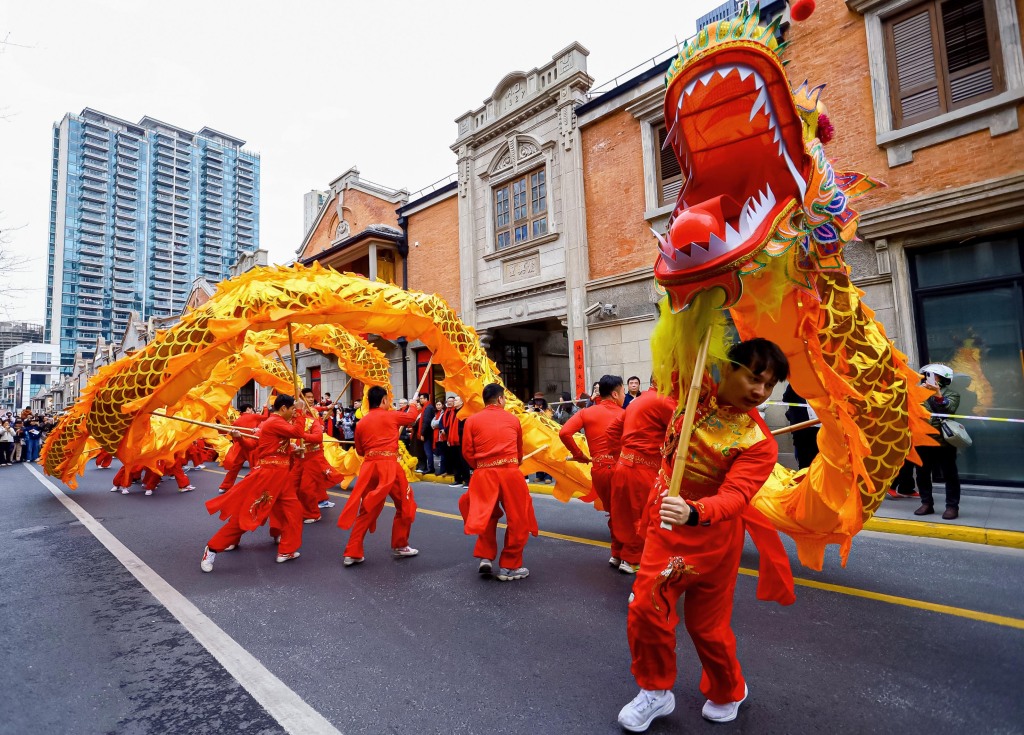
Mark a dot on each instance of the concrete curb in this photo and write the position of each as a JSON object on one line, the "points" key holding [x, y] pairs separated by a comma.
{"points": [[948, 531]]}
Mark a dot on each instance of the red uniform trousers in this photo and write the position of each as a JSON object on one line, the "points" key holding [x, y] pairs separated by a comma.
{"points": [[601, 472], [151, 479], [312, 475], [631, 487], [104, 458], [507, 487], [285, 513], [233, 461], [125, 477], [711, 555], [379, 479]]}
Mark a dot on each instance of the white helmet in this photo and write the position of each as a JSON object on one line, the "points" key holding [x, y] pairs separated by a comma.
{"points": [[937, 368]]}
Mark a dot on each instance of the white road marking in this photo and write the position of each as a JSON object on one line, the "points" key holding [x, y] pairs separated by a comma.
{"points": [[283, 704]]}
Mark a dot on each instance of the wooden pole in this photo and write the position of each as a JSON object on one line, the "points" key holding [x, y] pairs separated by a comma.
{"points": [[535, 451], [423, 378], [797, 427], [344, 388], [295, 368], [682, 449], [219, 427]]}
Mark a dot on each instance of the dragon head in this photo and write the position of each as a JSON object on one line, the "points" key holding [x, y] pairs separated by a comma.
{"points": [[745, 144]]}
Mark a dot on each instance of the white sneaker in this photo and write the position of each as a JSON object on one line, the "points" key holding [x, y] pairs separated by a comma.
{"points": [[186, 489], [510, 575], [723, 712], [149, 492], [114, 489], [207, 563], [325, 504], [350, 560], [124, 491], [638, 715], [311, 520], [614, 561], [200, 466], [485, 566], [281, 558], [628, 568], [405, 551]]}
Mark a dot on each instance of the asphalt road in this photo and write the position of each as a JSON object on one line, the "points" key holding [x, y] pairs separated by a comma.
{"points": [[426, 645]]}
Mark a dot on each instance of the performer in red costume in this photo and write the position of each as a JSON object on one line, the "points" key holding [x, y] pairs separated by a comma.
{"points": [[311, 472], [639, 432], [594, 421], [266, 488], [238, 454], [125, 478], [198, 453], [731, 455], [151, 478], [103, 459], [492, 443], [380, 477]]}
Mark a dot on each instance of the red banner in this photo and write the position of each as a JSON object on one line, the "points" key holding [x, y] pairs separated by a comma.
{"points": [[579, 367]]}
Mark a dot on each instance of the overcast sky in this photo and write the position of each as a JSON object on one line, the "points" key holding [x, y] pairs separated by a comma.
{"points": [[313, 87]]}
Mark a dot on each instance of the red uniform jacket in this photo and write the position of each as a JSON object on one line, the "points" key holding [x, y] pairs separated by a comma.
{"points": [[377, 443], [640, 432], [252, 498], [492, 443], [594, 421]]}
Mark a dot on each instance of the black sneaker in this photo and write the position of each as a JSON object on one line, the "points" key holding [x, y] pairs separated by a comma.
{"points": [[485, 566]]}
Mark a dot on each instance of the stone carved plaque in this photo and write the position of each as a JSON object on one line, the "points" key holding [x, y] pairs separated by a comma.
{"points": [[521, 269]]}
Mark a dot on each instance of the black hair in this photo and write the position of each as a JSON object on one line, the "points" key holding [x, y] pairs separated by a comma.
{"points": [[608, 383], [376, 396], [304, 391], [492, 391], [245, 407], [283, 401], [758, 355], [566, 396], [633, 377]]}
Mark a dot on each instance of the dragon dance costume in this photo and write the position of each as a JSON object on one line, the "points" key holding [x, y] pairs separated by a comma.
{"points": [[492, 444], [380, 477], [267, 487]]}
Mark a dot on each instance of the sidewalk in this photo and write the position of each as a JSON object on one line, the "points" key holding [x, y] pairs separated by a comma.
{"points": [[990, 517], [995, 518]]}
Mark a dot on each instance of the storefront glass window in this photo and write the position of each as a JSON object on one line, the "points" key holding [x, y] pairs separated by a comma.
{"points": [[970, 315]]}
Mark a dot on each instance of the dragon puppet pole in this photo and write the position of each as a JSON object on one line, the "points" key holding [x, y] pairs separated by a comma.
{"points": [[344, 388], [682, 449], [535, 451], [218, 427], [423, 378], [797, 427], [295, 374]]}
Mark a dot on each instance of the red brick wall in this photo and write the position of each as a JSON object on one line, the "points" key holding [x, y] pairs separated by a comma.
{"points": [[613, 168], [362, 209], [434, 263], [844, 68]]}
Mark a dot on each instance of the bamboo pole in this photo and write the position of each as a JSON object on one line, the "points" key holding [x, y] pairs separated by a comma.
{"points": [[295, 368], [682, 449], [219, 427], [538, 450], [797, 427], [423, 378]]}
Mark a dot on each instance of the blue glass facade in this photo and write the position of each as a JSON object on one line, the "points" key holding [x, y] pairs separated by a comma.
{"points": [[138, 211]]}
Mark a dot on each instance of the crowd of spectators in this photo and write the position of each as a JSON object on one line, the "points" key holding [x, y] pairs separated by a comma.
{"points": [[22, 435]]}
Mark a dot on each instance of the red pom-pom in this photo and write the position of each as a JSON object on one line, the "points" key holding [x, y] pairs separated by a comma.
{"points": [[801, 9], [825, 130]]}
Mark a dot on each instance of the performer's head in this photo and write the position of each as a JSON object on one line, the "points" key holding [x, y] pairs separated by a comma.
{"points": [[754, 368], [307, 396], [246, 408], [375, 396], [494, 395], [611, 388], [285, 406]]}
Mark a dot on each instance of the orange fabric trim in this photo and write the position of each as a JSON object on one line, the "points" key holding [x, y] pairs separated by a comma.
{"points": [[496, 462]]}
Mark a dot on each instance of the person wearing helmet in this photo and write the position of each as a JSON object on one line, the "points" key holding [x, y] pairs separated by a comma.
{"points": [[939, 378]]}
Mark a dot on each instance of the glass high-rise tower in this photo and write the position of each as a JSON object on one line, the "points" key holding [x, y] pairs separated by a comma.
{"points": [[138, 211]]}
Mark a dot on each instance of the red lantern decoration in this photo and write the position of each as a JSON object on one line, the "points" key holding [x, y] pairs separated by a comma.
{"points": [[801, 9]]}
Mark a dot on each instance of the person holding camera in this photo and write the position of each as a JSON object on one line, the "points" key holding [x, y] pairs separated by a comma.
{"points": [[945, 400]]}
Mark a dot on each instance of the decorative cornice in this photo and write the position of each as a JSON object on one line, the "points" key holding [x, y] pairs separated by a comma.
{"points": [[639, 274], [522, 249], [985, 198], [540, 289]]}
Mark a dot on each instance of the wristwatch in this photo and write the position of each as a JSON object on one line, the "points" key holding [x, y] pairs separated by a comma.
{"points": [[694, 518]]}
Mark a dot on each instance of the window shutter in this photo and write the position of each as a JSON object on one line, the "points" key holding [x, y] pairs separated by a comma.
{"points": [[670, 175], [916, 77], [967, 52]]}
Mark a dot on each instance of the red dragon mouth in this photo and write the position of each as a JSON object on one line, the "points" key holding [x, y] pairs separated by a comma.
{"points": [[735, 129]]}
